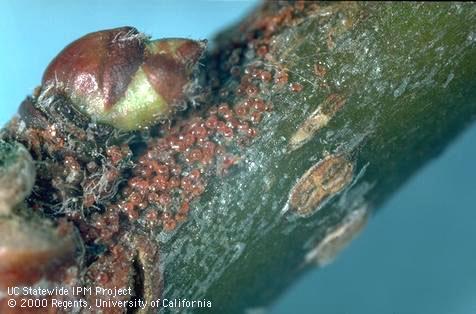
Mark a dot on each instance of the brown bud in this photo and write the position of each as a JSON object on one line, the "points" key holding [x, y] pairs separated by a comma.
{"points": [[121, 78], [100, 64]]}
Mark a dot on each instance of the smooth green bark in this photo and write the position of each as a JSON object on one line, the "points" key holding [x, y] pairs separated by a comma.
{"points": [[406, 72]]}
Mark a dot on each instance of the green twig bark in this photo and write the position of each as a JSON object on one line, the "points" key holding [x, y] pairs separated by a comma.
{"points": [[385, 87], [361, 96]]}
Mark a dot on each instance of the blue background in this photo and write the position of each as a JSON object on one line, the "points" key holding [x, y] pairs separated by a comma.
{"points": [[416, 256]]}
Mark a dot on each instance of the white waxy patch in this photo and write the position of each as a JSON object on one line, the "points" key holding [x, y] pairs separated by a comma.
{"points": [[338, 238]]}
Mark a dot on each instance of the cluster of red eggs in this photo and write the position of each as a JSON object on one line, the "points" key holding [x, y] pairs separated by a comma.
{"points": [[175, 167]]}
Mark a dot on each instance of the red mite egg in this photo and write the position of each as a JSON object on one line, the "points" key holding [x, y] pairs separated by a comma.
{"points": [[184, 208], [208, 148], [160, 182], [117, 251], [228, 115], [233, 123], [221, 126], [166, 215], [125, 150], [194, 174], [71, 163], [195, 155], [296, 87], [281, 78], [228, 132], [152, 216], [169, 224], [259, 105], [172, 141], [127, 190], [224, 110], [251, 132], [176, 170], [145, 172], [127, 206], [161, 169], [219, 150], [262, 50], [246, 104], [151, 165], [210, 132], [320, 70], [253, 71], [164, 199], [198, 189], [200, 132], [130, 211], [174, 182], [189, 139], [177, 144], [256, 117], [252, 90], [133, 214], [168, 159], [243, 126], [135, 197], [143, 205], [180, 217], [153, 198], [206, 160], [133, 182], [186, 184], [142, 185], [143, 159], [266, 76], [241, 110], [211, 122]]}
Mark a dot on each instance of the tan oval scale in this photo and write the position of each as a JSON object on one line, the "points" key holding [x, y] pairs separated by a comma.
{"points": [[323, 180], [338, 238], [316, 121]]}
